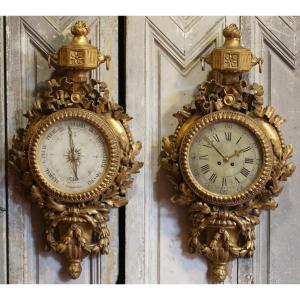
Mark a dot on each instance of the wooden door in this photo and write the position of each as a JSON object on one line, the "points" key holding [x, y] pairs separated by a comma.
{"points": [[163, 70], [27, 42]]}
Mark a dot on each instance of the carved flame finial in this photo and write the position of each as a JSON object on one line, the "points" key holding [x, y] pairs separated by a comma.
{"points": [[231, 32], [80, 28]]}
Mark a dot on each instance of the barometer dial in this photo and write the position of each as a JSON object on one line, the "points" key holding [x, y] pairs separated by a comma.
{"points": [[74, 155]]}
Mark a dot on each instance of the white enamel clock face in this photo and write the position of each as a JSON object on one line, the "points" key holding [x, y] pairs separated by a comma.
{"points": [[72, 155], [225, 158]]}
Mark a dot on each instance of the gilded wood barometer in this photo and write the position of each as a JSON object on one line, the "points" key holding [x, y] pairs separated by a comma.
{"points": [[227, 158], [76, 155]]}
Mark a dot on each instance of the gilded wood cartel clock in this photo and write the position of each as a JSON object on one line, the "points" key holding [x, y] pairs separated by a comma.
{"points": [[226, 158], [76, 155]]}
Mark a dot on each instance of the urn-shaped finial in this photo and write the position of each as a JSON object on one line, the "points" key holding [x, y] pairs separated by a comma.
{"points": [[231, 57], [79, 54]]}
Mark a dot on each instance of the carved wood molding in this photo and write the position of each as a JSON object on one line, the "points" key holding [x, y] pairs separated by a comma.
{"points": [[185, 23], [280, 34], [185, 39], [182, 45]]}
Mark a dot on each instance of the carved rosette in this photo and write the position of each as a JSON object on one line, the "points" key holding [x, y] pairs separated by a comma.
{"points": [[217, 232], [77, 228]]}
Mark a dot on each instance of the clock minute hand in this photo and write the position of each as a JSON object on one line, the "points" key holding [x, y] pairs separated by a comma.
{"points": [[211, 144]]}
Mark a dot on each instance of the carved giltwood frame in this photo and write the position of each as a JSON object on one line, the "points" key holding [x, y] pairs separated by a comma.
{"points": [[76, 223], [224, 231], [262, 177]]}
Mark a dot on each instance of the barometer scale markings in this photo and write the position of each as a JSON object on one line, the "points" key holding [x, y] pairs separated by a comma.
{"points": [[51, 176]]}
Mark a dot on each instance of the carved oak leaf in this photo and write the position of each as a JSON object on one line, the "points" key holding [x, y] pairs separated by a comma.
{"points": [[167, 145], [288, 170], [287, 152], [27, 179], [200, 207], [37, 196], [119, 115], [184, 195], [182, 116], [136, 148], [116, 202], [136, 167], [52, 204]]}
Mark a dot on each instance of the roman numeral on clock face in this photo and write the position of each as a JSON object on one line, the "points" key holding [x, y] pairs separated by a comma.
{"points": [[246, 149], [205, 169], [203, 157], [238, 140], [216, 138], [245, 172], [249, 160], [224, 181], [213, 177], [228, 136]]}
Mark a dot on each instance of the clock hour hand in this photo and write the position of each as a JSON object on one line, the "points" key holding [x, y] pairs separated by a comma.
{"points": [[236, 153], [218, 151]]}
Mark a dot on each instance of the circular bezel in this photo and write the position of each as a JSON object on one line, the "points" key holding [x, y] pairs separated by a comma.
{"points": [[113, 154], [252, 189]]}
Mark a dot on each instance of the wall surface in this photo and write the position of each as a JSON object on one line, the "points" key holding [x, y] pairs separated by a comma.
{"points": [[162, 72]]}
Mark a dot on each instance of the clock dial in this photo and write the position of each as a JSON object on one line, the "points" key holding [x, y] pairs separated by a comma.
{"points": [[225, 157], [72, 155]]}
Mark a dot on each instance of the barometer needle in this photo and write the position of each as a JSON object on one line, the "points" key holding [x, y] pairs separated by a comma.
{"points": [[72, 155]]}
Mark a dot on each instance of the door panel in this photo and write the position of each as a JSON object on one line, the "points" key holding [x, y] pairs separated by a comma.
{"points": [[163, 70], [167, 50], [28, 40], [3, 212], [275, 39]]}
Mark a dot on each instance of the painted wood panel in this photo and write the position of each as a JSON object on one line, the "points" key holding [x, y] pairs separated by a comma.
{"points": [[3, 211], [29, 39], [275, 39], [167, 50], [163, 71]]}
